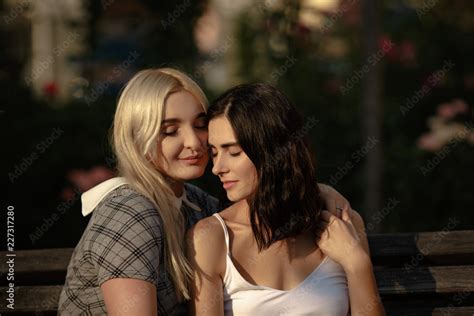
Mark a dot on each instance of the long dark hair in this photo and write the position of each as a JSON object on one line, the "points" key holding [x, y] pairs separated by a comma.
{"points": [[286, 201]]}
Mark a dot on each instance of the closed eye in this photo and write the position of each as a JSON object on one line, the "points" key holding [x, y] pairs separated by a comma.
{"points": [[204, 127], [170, 133], [201, 123]]}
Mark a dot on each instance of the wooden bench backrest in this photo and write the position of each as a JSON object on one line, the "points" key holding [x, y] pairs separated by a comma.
{"points": [[417, 274]]}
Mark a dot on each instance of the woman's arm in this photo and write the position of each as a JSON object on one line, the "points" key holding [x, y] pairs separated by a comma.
{"points": [[125, 248], [129, 297], [344, 240], [206, 249]]}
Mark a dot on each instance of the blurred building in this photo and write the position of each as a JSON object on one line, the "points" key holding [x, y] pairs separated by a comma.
{"points": [[217, 42], [50, 40]]}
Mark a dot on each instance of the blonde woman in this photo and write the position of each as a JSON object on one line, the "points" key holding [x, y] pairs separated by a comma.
{"points": [[130, 259]]}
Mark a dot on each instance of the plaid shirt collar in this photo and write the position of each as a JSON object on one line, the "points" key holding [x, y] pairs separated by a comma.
{"points": [[91, 198]]}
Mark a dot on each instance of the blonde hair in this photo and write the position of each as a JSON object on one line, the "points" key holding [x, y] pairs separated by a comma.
{"points": [[136, 129]]}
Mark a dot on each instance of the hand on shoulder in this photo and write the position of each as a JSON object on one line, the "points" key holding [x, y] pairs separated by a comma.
{"points": [[343, 239]]}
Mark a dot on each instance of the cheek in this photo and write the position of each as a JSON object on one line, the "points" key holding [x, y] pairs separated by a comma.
{"points": [[248, 170], [170, 148]]}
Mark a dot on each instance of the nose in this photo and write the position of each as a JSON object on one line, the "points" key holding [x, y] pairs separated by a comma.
{"points": [[192, 140], [219, 165]]}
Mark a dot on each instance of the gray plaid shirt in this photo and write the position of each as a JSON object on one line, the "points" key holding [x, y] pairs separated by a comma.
{"points": [[124, 239]]}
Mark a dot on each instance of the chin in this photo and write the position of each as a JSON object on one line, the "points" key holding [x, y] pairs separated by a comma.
{"points": [[238, 195], [233, 197], [192, 173]]}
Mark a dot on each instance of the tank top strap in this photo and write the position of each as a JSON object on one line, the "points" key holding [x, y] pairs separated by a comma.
{"points": [[224, 227]]}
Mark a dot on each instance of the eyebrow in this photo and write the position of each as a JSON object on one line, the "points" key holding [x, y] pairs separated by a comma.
{"points": [[177, 120], [226, 145]]}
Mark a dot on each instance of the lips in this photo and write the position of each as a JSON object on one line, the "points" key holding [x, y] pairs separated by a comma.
{"points": [[228, 184], [192, 160]]}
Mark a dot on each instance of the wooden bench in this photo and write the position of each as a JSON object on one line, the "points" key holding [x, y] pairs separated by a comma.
{"points": [[417, 274]]}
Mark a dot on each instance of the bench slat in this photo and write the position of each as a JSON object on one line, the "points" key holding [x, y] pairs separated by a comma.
{"points": [[417, 274], [428, 248], [425, 280], [43, 267], [45, 298], [431, 311], [456, 247], [33, 298], [41, 260]]}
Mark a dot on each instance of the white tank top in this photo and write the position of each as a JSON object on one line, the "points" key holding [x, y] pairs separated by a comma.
{"points": [[323, 292]]}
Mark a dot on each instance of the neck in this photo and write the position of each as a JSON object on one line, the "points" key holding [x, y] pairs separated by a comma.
{"points": [[243, 210]]}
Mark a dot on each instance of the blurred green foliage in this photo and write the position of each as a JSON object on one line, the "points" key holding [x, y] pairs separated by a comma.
{"points": [[274, 47], [424, 42]]}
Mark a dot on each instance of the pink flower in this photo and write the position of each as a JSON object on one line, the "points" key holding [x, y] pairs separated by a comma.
{"points": [[84, 180], [68, 194], [386, 44], [450, 110], [50, 89], [460, 106], [100, 174], [446, 110], [407, 51], [81, 179], [429, 142]]}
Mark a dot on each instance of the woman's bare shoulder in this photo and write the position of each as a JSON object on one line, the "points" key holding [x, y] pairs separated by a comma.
{"points": [[208, 228], [206, 247]]}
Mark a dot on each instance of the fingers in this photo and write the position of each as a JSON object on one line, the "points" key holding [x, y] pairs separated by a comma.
{"points": [[329, 197], [333, 200], [328, 217], [346, 214], [332, 207]]}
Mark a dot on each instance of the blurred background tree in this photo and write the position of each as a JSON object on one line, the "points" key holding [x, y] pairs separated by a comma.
{"points": [[314, 50]]}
